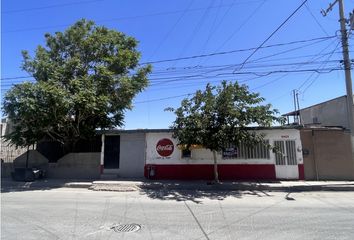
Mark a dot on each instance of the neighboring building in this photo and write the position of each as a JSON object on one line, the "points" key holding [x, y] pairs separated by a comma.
{"points": [[326, 141], [8, 152], [331, 113], [327, 154]]}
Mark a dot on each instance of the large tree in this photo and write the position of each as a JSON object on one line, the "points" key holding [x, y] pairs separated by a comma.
{"points": [[85, 78], [220, 116]]}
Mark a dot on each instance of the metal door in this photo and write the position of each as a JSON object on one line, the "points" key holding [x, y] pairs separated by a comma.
{"points": [[286, 166], [111, 152]]}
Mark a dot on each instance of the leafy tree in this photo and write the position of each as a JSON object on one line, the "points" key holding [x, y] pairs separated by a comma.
{"points": [[221, 115], [86, 78]]}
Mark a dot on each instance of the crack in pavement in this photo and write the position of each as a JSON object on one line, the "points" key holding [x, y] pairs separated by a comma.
{"points": [[196, 220]]}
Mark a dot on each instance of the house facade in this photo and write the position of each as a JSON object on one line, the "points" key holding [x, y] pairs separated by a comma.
{"points": [[155, 154]]}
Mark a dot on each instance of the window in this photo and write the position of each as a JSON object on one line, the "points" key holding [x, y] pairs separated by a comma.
{"points": [[186, 153], [259, 151]]}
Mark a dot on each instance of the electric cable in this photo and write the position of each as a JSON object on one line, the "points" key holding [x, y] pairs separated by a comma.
{"points": [[272, 34]]}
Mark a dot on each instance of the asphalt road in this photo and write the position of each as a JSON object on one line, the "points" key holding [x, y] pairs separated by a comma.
{"points": [[83, 214]]}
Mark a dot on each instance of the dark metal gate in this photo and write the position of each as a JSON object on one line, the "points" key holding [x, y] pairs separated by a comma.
{"points": [[111, 152]]}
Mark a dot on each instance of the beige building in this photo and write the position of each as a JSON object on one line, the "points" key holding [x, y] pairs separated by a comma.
{"points": [[331, 113], [327, 154], [326, 141]]}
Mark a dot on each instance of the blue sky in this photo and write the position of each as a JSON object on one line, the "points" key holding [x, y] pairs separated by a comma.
{"points": [[304, 54]]}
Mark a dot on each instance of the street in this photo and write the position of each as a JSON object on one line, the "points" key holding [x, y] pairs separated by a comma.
{"points": [[68, 213]]}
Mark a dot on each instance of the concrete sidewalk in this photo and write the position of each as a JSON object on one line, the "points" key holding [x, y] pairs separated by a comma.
{"points": [[125, 185], [225, 186], [7, 184]]}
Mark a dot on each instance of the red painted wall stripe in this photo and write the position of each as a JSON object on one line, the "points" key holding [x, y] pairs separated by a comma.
{"points": [[205, 172], [301, 172]]}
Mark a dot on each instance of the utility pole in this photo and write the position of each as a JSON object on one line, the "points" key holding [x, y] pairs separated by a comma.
{"points": [[298, 107], [297, 115], [346, 60]]}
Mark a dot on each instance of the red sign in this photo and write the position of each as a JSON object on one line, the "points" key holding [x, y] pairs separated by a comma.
{"points": [[164, 147]]}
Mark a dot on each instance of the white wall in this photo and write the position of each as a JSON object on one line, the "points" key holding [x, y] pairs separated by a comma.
{"points": [[204, 156]]}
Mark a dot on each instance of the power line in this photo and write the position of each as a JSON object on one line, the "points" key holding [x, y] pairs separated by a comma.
{"points": [[196, 29], [10, 78], [50, 6], [113, 19], [226, 66], [220, 53], [286, 51], [223, 67], [256, 65], [172, 28], [235, 51], [322, 65], [311, 62], [241, 25], [6, 81], [260, 74], [324, 71], [220, 69], [316, 20], [213, 28], [158, 81], [272, 34], [161, 99], [313, 81]]}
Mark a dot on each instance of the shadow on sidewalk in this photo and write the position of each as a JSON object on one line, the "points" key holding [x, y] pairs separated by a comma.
{"points": [[178, 192], [9, 185]]}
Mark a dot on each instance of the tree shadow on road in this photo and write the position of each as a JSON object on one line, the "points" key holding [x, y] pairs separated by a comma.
{"points": [[196, 194]]}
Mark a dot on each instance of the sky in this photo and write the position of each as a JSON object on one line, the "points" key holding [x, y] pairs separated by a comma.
{"points": [[272, 46]]}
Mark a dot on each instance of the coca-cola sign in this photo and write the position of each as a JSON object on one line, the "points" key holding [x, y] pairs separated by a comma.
{"points": [[165, 147]]}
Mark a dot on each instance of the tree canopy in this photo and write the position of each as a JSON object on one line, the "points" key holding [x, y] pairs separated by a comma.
{"points": [[220, 116], [85, 78]]}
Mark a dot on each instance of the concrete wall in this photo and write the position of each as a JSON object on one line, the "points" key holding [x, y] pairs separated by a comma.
{"points": [[71, 166], [327, 154], [330, 113], [6, 169], [8, 152], [35, 160], [132, 155], [76, 166]]}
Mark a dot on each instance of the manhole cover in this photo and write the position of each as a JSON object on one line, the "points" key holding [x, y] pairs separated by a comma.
{"points": [[133, 227]]}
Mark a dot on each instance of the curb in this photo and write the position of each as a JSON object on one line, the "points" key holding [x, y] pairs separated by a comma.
{"points": [[78, 185], [125, 187], [38, 185], [114, 186]]}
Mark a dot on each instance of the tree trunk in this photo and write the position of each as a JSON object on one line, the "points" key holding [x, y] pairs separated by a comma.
{"points": [[216, 175], [27, 156]]}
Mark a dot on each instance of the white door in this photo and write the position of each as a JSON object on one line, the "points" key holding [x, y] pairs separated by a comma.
{"points": [[286, 166]]}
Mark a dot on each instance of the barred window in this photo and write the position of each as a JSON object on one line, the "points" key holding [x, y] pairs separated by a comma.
{"points": [[259, 151], [186, 153]]}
